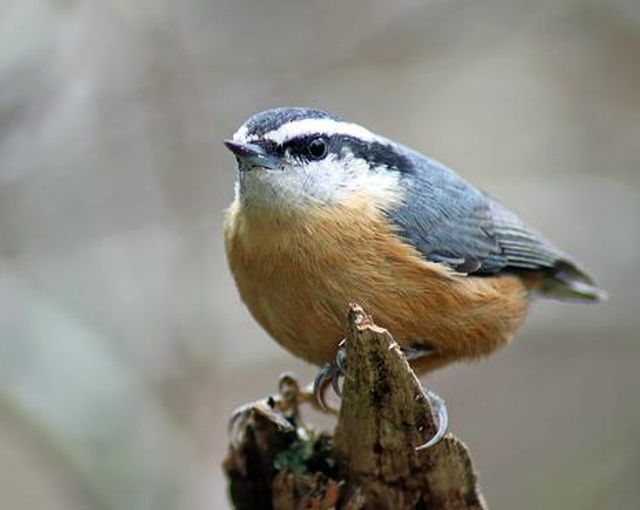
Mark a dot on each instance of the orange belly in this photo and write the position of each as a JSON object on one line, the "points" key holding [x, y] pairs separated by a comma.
{"points": [[297, 274]]}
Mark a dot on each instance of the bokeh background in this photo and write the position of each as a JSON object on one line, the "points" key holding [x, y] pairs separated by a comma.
{"points": [[123, 344]]}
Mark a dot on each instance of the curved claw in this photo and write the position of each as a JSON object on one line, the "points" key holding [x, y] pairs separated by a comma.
{"points": [[341, 357], [325, 375], [335, 381], [330, 373], [440, 408]]}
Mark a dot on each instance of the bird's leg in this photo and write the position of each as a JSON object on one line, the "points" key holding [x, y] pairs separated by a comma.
{"points": [[330, 373]]}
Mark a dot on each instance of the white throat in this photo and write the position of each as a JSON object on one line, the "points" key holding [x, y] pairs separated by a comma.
{"points": [[329, 182]]}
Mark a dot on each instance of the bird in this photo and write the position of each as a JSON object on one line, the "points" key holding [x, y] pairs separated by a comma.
{"points": [[326, 212]]}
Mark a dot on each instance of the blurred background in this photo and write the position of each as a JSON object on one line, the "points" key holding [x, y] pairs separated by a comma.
{"points": [[123, 344]]}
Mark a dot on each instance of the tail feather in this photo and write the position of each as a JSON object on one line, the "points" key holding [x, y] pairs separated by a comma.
{"points": [[568, 282]]}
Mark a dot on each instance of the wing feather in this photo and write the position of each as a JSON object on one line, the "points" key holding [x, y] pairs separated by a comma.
{"points": [[453, 223]]}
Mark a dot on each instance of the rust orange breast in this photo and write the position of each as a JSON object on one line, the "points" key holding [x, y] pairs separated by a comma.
{"points": [[297, 273]]}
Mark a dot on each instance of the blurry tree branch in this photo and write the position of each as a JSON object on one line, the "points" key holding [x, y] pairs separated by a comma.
{"points": [[371, 463]]}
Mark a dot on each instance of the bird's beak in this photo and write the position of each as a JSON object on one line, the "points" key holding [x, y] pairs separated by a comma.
{"points": [[252, 155]]}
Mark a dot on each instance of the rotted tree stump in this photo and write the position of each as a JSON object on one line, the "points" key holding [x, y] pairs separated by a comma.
{"points": [[276, 462]]}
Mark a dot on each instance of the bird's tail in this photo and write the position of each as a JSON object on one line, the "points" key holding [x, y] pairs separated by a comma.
{"points": [[567, 282]]}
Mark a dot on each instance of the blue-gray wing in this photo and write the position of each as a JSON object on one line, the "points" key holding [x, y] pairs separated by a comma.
{"points": [[451, 222]]}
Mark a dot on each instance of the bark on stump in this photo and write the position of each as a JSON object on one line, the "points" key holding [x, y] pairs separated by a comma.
{"points": [[275, 462]]}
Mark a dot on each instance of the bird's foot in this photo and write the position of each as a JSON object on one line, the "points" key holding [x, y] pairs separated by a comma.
{"points": [[330, 374], [436, 402], [441, 419]]}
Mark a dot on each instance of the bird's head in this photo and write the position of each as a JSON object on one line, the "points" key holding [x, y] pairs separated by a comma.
{"points": [[291, 158]]}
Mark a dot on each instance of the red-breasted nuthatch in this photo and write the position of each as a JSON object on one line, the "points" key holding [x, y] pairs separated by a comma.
{"points": [[327, 213]]}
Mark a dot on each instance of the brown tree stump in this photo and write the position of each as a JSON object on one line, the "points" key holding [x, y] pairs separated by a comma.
{"points": [[275, 462]]}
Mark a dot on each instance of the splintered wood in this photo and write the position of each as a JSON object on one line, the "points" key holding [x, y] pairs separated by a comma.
{"points": [[276, 462]]}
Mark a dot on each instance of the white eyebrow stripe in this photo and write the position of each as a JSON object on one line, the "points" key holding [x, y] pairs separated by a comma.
{"points": [[318, 126], [241, 134]]}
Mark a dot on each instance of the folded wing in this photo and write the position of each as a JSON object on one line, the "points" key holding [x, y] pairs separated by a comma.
{"points": [[451, 222]]}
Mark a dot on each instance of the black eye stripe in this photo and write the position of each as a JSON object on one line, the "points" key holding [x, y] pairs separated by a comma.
{"points": [[300, 146], [270, 146], [376, 153]]}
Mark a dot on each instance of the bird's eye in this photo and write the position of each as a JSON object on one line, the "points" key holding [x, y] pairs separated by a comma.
{"points": [[317, 148]]}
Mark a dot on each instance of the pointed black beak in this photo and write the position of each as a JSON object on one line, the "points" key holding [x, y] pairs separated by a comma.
{"points": [[252, 155]]}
